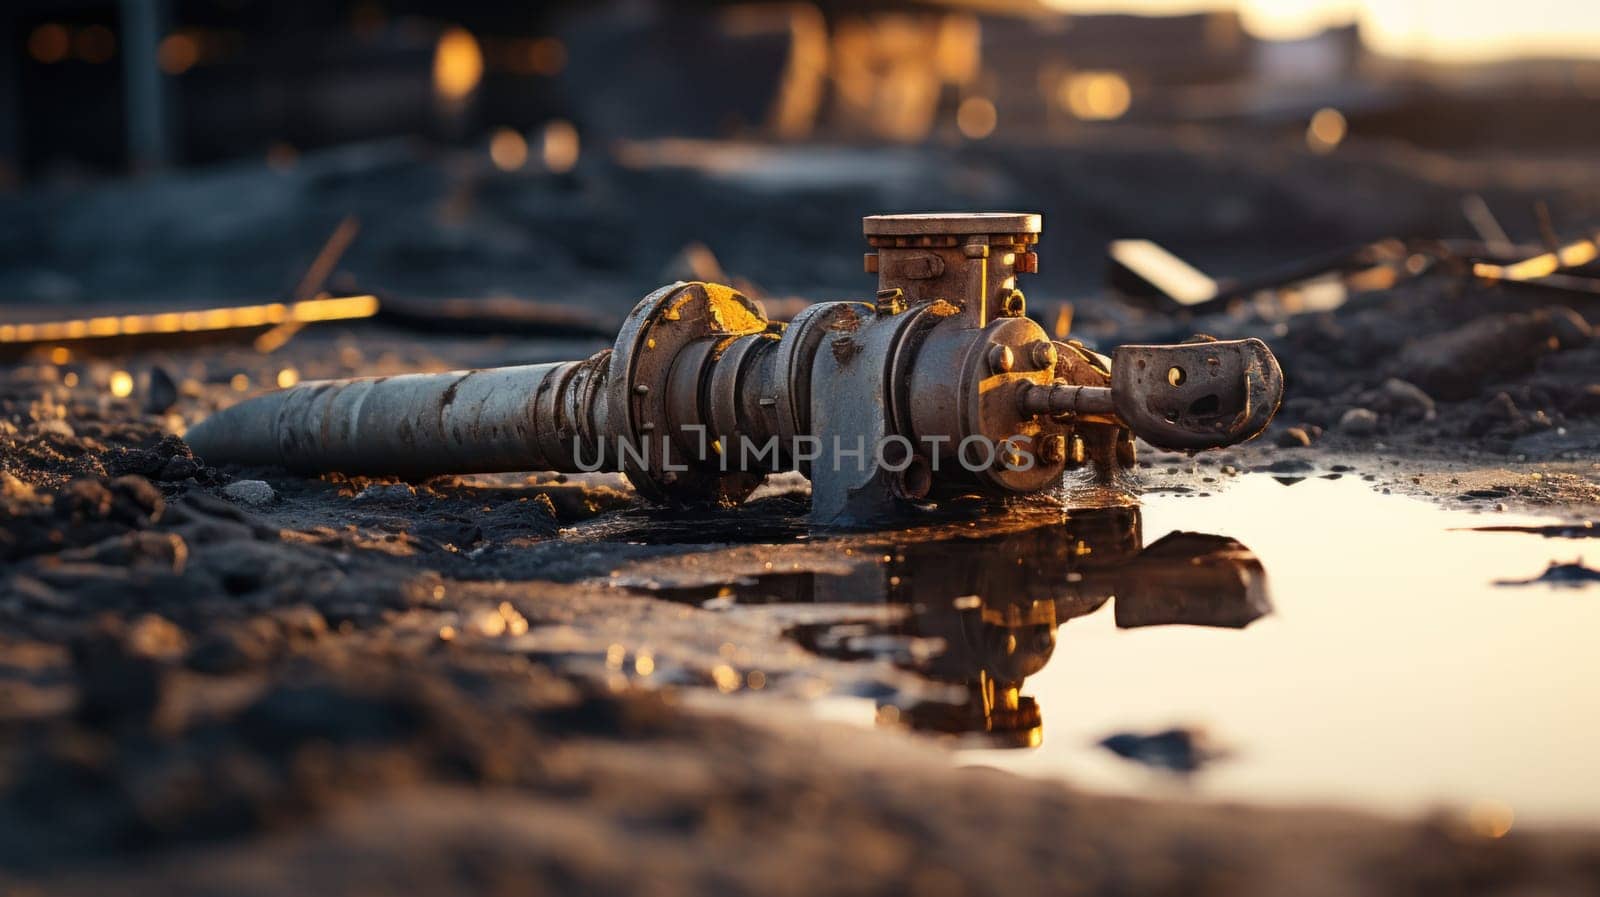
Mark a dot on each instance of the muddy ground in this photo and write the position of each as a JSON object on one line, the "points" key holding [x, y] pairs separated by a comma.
{"points": [[348, 685]]}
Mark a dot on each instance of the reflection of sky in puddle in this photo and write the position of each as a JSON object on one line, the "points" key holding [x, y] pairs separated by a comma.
{"points": [[1393, 673], [1385, 670], [1380, 665]]}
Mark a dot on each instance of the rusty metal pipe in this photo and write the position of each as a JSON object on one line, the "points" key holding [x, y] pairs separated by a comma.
{"points": [[418, 425], [942, 385], [1061, 399]]}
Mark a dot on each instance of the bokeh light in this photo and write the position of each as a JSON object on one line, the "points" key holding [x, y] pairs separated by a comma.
{"points": [[976, 118], [457, 64]]}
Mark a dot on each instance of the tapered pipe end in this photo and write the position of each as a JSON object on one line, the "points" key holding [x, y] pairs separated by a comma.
{"points": [[245, 434]]}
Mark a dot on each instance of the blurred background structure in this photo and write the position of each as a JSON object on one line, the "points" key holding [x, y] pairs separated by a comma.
{"points": [[115, 85], [587, 148]]}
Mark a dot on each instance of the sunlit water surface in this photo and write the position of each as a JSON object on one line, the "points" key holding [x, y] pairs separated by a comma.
{"points": [[1393, 674]]}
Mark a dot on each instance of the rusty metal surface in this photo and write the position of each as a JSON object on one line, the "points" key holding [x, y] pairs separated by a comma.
{"points": [[941, 386], [1197, 395]]}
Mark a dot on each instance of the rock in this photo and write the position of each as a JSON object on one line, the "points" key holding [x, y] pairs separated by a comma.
{"points": [[1457, 363], [1499, 413], [1294, 437], [383, 492], [1359, 422], [254, 493], [1398, 399], [1572, 573], [1179, 750], [161, 393]]}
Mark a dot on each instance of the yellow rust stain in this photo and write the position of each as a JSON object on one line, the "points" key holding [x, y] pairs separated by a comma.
{"points": [[727, 310], [999, 381], [941, 308], [730, 311]]}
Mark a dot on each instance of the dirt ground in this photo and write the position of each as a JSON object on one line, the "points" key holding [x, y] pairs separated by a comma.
{"points": [[348, 685]]}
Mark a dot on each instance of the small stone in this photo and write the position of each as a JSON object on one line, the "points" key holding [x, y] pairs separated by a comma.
{"points": [[1359, 422], [1498, 414], [254, 493], [1294, 437], [387, 492], [161, 393], [1399, 399], [1179, 750]]}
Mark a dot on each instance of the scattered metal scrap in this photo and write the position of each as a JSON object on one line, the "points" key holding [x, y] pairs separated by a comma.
{"points": [[271, 325], [941, 386], [107, 333], [1145, 270]]}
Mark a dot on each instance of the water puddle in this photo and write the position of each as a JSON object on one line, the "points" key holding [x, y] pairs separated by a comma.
{"points": [[1314, 641]]}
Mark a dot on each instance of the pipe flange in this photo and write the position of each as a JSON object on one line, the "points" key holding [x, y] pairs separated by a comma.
{"points": [[913, 332], [657, 329], [796, 352], [989, 408]]}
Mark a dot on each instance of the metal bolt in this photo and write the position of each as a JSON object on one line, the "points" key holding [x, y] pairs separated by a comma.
{"points": [[1002, 359], [1043, 355], [1053, 450], [891, 302], [1011, 454]]}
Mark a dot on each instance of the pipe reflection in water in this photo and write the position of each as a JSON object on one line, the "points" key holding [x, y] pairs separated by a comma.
{"points": [[985, 613]]}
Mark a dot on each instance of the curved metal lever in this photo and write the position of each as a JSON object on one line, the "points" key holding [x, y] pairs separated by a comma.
{"points": [[1197, 395]]}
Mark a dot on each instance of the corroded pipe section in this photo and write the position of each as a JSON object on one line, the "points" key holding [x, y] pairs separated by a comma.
{"points": [[499, 419], [940, 386]]}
